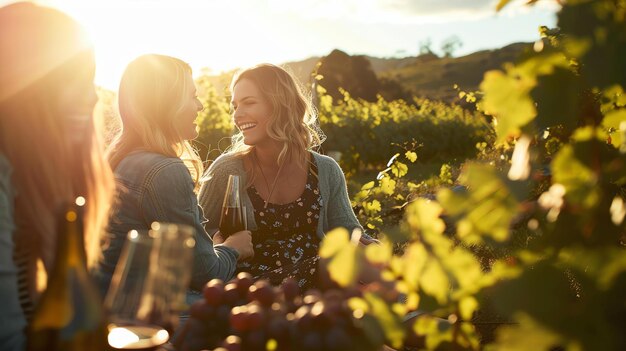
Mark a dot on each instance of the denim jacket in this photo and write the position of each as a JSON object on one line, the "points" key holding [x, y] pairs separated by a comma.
{"points": [[153, 187], [12, 320]]}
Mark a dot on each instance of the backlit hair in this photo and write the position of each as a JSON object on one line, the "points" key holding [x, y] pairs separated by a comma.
{"points": [[152, 92], [54, 158], [293, 116]]}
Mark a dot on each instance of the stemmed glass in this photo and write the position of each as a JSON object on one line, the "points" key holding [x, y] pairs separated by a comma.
{"points": [[233, 218], [148, 287]]}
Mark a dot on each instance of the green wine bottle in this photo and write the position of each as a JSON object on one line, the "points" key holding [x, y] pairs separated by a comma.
{"points": [[69, 315]]}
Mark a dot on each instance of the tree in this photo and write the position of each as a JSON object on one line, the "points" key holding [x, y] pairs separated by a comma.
{"points": [[425, 46], [351, 73], [450, 45]]}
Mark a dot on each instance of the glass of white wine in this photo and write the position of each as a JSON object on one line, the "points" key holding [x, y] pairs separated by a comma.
{"points": [[147, 290]]}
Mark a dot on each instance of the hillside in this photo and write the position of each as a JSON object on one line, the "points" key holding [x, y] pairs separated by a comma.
{"points": [[426, 75], [435, 78]]}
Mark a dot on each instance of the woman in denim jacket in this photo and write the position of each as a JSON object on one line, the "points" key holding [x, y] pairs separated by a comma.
{"points": [[156, 168]]}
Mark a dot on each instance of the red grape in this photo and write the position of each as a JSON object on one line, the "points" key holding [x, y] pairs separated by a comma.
{"points": [[202, 310], [243, 280], [213, 292], [239, 318], [290, 288], [231, 294], [262, 291]]}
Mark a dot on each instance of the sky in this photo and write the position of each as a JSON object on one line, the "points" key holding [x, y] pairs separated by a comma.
{"points": [[215, 36]]}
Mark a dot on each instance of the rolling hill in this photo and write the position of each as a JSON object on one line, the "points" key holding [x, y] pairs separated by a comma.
{"points": [[426, 76]]}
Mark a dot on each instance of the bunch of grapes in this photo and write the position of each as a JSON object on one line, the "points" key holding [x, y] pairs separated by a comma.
{"points": [[209, 324], [251, 316]]}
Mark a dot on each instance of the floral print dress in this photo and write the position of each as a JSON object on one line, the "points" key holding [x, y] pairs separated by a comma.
{"points": [[286, 243]]}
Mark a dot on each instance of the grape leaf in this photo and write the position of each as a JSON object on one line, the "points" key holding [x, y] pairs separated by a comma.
{"points": [[572, 167], [411, 156], [388, 320], [488, 207], [516, 337], [616, 120], [434, 281], [333, 242], [507, 98], [602, 24]]}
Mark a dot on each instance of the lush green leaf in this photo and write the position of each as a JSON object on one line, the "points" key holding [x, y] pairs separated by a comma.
{"points": [[434, 281], [380, 253], [399, 169], [345, 266], [411, 156], [487, 208], [572, 167], [616, 122], [389, 321], [333, 242], [423, 216], [507, 97], [527, 335]]}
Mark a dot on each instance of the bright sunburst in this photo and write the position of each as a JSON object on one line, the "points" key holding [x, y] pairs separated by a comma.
{"points": [[223, 35], [123, 30]]}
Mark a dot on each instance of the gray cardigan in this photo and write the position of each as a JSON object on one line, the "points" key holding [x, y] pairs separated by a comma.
{"points": [[336, 210]]}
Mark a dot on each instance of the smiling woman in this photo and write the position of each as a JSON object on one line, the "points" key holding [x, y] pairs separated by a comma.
{"points": [[292, 195]]}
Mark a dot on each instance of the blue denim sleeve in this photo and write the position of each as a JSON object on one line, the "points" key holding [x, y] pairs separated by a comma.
{"points": [[12, 320], [169, 197]]}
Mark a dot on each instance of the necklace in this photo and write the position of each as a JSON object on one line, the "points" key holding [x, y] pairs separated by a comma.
{"points": [[267, 184]]}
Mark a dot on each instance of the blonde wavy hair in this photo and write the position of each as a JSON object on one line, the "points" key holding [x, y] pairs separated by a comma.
{"points": [[54, 158], [152, 93], [293, 120]]}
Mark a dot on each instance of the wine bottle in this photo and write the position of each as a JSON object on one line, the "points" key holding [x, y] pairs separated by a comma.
{"points": [[232, 218], [69, 315]]}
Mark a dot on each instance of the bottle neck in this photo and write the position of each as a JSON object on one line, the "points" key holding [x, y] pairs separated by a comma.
{"points": [[71, 247]]}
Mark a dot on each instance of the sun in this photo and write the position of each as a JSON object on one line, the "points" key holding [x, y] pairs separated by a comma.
{"points": [[123, 30]]}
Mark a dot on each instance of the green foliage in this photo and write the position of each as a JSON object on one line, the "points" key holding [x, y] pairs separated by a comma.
{"points": [[544, 249], [600, 27], [361, 130], [615, 123], [344, 257], [434, 131], [487, 210], [390, 322], [214, 122], [560, 277]]}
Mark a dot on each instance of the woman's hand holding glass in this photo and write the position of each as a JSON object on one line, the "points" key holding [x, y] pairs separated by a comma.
{"points": [[240, 241]]}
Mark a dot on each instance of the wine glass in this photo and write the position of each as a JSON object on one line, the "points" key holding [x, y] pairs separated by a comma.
{"points": [[233, 218], [148, 286]]}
